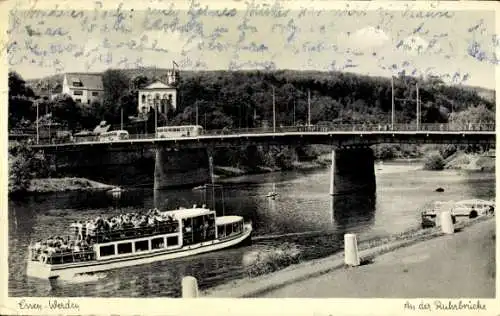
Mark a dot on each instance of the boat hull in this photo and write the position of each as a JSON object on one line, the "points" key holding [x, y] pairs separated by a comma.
{"points": [[67, 271]]}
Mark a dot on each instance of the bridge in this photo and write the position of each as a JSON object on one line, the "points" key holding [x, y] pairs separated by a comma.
{"points": [[338, 135], [185, 160]]}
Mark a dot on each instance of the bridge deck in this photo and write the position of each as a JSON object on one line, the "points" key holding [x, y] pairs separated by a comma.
{"points": [[374, 136]]}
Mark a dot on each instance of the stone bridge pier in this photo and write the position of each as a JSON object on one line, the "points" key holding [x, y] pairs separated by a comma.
{"points": [[352, 170], [175, 167]]}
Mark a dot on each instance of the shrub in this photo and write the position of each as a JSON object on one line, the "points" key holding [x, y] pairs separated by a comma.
{"points": [[269, 260], [385, 151], [434, 161], [447, 150], [25, 164]]}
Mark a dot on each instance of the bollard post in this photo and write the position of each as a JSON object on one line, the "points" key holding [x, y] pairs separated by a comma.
{"points": [[351, 255], [189, 287], [447, 222]]}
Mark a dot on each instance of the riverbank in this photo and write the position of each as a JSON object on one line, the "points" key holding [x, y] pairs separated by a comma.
{"points": [[408, 259], [228, 171], [451, 266], [54, 185], [464, 161]]}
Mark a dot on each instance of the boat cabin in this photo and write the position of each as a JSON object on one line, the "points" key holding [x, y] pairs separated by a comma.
{"points": [[228, 226], [191, 226]]}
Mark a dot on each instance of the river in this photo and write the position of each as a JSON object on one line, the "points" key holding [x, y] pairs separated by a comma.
{"points": [[303, 214]]}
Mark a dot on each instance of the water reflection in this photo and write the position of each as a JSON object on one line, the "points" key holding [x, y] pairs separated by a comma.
{"points": [[353, 212]]}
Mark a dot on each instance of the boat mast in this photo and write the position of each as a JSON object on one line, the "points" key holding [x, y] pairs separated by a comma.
{"points": [[222, 194], [211, 162]]}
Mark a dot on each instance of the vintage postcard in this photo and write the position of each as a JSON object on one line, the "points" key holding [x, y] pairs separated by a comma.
{"points": [[166, 156]]}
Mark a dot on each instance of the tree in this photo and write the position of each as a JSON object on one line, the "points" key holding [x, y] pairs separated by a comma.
{"points": [[116, 85], [17, 86], [25, 164], [473, 115], [20, 100], [66, 111]]}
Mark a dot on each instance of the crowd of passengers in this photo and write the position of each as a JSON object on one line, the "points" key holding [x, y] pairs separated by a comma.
{"points": [[151, 218], [57, 245], [85, 231]]}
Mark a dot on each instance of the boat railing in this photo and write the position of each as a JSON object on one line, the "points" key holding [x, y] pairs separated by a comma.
{"points": [[111, 235], [60, 257]]}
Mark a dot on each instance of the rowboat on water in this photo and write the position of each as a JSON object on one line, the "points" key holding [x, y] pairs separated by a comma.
{"points": [[272, 194], [135, 239]]}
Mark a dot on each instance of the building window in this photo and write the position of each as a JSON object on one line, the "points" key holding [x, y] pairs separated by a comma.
{"points": [[77, 84], [78, 92], [143, 98], [88, 101], [78, 100], [95, 93]]}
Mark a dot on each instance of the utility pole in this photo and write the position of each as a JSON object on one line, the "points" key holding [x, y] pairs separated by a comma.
{"points": [[274, 113], [196, 114], [294, 111], [37, 134], [308, 107], [418, 110], [156, 116], [121, 118], [392, 101]]}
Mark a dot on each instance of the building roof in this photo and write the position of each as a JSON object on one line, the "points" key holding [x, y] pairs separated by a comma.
{"points": [[89, 81], [157, 85]]}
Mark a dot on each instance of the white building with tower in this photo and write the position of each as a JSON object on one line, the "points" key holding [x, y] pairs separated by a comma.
{"points": [[159, 94]]}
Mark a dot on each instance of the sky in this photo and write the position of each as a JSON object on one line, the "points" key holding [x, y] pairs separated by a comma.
{"points": [[458, 46]]}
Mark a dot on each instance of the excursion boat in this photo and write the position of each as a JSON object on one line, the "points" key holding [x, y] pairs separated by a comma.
{"points": [[93, 247]]}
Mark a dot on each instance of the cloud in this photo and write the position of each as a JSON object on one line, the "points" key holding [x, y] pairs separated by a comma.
{"points": [[368, 37]]}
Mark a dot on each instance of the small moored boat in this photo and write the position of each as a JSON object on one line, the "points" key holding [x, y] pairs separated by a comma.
{"points": [[200, 187], [272, 194], [465, 208], [116, 190], [95, 246]]}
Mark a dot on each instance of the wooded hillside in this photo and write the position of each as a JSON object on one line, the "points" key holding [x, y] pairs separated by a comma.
{"points": [[244, 98]]}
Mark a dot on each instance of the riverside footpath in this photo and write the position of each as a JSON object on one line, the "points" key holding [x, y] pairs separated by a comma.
{"points": [[447, 266]]}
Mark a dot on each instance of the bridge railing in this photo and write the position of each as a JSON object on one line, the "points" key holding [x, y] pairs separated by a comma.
{"points": [[355, 128], [449, 127]]}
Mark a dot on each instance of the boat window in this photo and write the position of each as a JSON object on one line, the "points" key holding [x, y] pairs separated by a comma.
{"points": [[229, 229], [220, 231], [172, 241], [142, 245], [157, 243], [107, 250], [237, 227], [125, 248]]}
